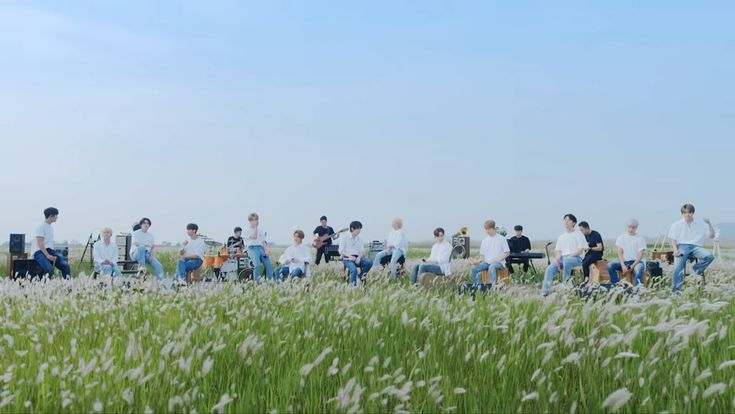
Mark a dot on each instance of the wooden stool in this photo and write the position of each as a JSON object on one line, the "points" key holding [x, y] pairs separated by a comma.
{"points": [[502, 275], [194, 276], [599, 273], [629, 276]]}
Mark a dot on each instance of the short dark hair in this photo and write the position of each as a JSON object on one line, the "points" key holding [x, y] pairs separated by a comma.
{"points": [[145, 219], [687, 208], [518, 228], [237, 229], [571, 217], [192, 226], [324, 218], [355, 225], [51, 211], [438, 231], [299, 234], [584, 224]]}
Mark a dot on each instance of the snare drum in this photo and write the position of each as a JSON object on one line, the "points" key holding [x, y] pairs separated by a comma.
{"points": [[229, 266]]}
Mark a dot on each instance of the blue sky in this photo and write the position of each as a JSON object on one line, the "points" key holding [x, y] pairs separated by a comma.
{"points": [[443, 113]]}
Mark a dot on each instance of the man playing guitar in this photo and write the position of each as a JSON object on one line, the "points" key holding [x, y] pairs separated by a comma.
{"points": [[323, 236]]}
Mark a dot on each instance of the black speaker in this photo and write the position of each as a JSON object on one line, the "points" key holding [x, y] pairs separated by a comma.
{"points": [[460, 247], [23, 268], [17, 244]]}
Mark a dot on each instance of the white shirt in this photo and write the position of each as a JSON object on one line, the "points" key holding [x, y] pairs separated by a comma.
{"points": [[302, 254], [441, 252], [569, 243], [249, 231], [195, 247], [47, 232], [631, 245], [695, 233], [398, 240], [104, 251], [143, 239], [350, 246], [493, 248]]}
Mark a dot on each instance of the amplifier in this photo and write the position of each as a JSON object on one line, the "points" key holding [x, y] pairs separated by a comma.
{"points": [[63, 251], [376, 246], [124, 241], [11, 258], [331, 251], [17, 244], [23, 268], [460, 247]]}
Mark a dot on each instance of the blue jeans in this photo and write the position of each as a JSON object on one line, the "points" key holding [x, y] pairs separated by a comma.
{"points": [[492, 270], [48, 268], [395, 254], [284, 271], [615, 267], [184, 266], [107, 269], [143, 256], [425, 268], [567, 264], [704, 259], [365, 265], [257, 255]]}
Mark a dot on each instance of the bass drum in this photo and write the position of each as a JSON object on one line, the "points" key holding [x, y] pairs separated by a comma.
{"points": [[245, 275]]}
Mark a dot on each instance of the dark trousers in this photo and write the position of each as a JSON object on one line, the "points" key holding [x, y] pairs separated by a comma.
{"points": [[48, 268], [589, 260], [509, 264], [321, 252]]}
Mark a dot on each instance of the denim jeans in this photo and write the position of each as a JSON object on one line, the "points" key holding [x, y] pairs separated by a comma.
{"points": [[425, 268], [48, 268], [567, 264], [704, 259], [365, 265], [107, 269], [257, 255], [395, 254], [143, 256], [184, 266], [615, 267], [284, 272], [485, 266]]}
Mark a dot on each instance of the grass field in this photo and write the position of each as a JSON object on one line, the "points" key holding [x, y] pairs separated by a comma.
{"points": [[74, 346]]}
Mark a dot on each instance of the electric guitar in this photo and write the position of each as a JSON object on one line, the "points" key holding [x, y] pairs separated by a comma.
{"points": [[319, 242]]}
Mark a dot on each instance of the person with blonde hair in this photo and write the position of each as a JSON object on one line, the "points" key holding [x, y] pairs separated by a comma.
{"points": [[295, 259], [257, 246], [396, 247], [494, 250], [104, 253]]}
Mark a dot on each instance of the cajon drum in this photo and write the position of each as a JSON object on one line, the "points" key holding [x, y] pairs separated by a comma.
{"points": [[502, 275], [599, 273], [194, 276], [629, 276]]}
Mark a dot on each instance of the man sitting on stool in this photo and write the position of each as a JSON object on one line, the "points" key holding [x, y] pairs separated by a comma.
{"points": [[105, 254], [518, 244], [631, 248], [687, 236], [493, 252], [191, 255], [438, 262], [596, 247], [295, 258], [42, 246]]}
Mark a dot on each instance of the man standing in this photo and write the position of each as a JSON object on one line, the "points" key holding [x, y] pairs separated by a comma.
{"points": [[518, 244], [687, 237], [319, 233], [42, 246], [596, 247]]}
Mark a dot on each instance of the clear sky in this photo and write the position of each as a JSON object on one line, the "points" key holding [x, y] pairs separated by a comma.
{"points": [[444, 113]]}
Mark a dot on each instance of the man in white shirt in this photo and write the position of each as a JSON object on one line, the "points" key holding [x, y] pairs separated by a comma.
{"points": [[254, 238], [143, 249], [42, 246], [191, 256], [631, 249], [294, 260], [493, 252], [396, 247], [688, 236], [439, 260], [569, 249], [105, 254], [351, 250]]}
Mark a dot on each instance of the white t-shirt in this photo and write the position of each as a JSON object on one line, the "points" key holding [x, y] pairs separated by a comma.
{"points": [[104, 251], [351, 246], [301, 253], [631, 245], [195, 247], [695, 233], [144, 240], [493, 248], [397, 239], [47, 232], [442, 252], [569, 243], [249, 231]]}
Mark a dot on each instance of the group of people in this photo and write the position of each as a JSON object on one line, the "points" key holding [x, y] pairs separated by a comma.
{"points": [[579, 245]]}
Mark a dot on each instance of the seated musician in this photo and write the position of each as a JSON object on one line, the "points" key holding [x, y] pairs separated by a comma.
{"points": [[518, 244], [595, 250], [351, 249], [105, 254], [688, 236], [569, 248], [42, 246], [143, 249], [295, 258], [438, 261], [396, 247], [631, 248], [191, 256], [235, 242], [257, 248], [493, 252], [322, 230]]}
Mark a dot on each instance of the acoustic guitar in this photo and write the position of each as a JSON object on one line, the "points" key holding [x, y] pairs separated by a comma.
{"points": [[319, 242]]}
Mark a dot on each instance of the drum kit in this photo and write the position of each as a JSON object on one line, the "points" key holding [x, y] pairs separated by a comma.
{"points": [[226, 264]]}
